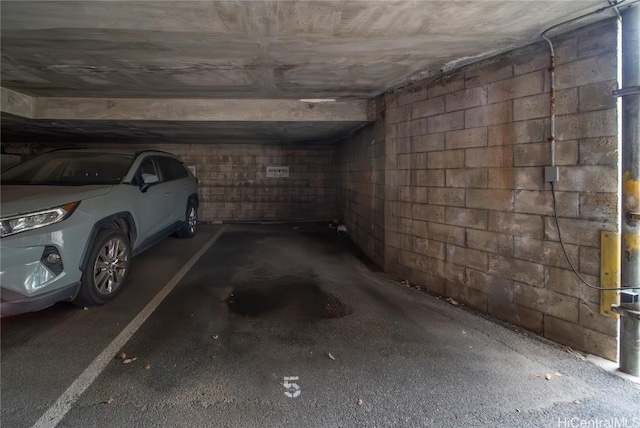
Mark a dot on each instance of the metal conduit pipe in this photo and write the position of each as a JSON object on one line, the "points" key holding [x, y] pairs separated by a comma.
{"points": [[629, 309]]}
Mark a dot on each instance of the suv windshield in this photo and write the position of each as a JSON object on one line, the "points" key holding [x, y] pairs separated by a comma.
{"points": [[70, 169]]}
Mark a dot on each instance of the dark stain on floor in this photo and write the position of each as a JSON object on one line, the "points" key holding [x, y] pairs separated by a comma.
{"points": [[304, 301]]}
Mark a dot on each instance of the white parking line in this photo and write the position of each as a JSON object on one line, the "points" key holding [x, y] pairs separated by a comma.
{"points": [[54, 415]]}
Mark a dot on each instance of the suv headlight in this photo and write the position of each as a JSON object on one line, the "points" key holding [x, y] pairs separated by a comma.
{"points": [[34, 220]]}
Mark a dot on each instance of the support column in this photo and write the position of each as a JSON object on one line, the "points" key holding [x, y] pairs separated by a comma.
{"points": [[629, 309]]}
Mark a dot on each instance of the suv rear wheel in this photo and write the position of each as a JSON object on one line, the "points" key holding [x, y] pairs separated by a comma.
{"points": [[107, 269], [189, 228]]}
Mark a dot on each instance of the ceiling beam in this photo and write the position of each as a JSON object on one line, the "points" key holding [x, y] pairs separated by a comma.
{"points": [[229, 110]]}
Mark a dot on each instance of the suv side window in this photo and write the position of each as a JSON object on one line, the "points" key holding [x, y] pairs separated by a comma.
{"points": [[146, 167], [171, 168]]}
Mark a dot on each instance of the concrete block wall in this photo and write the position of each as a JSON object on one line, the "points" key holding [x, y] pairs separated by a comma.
{"points": [[233, 185], [467, 213], [361, 189]]}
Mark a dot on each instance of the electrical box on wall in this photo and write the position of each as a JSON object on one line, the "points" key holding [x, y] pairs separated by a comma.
{"points": [[551, 173]]}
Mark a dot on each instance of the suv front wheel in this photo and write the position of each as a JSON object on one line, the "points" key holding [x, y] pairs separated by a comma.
{"points": [[107, 269]]}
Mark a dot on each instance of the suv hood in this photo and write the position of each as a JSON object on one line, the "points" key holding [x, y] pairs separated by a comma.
{"points": [[18, 199]]}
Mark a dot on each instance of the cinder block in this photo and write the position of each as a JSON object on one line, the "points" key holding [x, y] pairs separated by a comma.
{"points": [[446, 159], [600, 40], [517, 87], [532, 154], [516, 178], [516, 224], [454, 273], [600, 123], [418, 92], [468, 296], [404, 161], [602, 179], [488, 71], [490, 199], [598, 96], [544, 252], [446, 233], [580, 338], [446, 84], [516, 314], [518, 270], [496, 156], [531, 59], [446, 196], [430, 248], [404, 128], [529, 131], [431, 213], [599, 151], [467, 98], [403, 146], [538, 106], [467, 257], [536, 202], [465, 138], [501, 135], [435, 284], [599, 68], [419, 161], [565, 281], [490, 284], [589, 261], [390, 100], [428, 107], [398, 114], [429, 177], [467, 177], [549, 302], [447, 122], [590, 318], [496, 243], [599, 206], [492, 114], [428, 143], [418, 127], [567, 152], [578, 231], [404, 97], [475, 219]]}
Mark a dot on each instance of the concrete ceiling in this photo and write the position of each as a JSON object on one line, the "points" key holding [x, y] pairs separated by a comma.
{"points": [[255, 49]]}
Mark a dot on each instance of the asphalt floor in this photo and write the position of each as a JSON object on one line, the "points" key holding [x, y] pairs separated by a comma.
{"points": [[283, 326]]}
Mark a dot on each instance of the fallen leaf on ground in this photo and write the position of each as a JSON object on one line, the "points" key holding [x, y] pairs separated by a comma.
{"points": [[360, 402], [108, 400], [557, 374], [331, 356], [147, 366], [452, 301], [215, 337], [547, 376], [537, 374], [129, 360], [86, 308], [121, 356], [576, 401]]}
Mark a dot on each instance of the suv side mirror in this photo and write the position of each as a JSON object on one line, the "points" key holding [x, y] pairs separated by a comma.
{"points": [[148, 180]]}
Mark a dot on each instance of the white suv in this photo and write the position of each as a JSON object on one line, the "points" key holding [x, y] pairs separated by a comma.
{"points": [[71, 220]]}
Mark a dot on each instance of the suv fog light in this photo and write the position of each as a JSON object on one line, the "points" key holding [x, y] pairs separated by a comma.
{"points": [[38, 277], [52, 260]]}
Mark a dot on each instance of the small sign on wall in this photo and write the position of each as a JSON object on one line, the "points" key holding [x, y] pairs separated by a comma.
{"points": [[278, 171]]}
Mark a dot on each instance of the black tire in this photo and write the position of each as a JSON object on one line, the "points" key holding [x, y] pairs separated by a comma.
{"points": [[107, 269], [191, 222]]}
